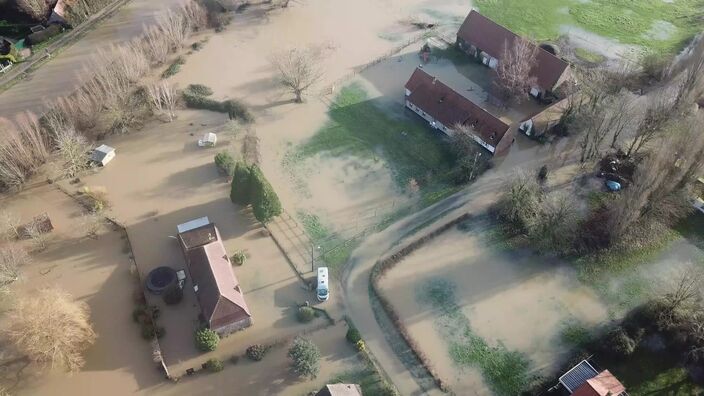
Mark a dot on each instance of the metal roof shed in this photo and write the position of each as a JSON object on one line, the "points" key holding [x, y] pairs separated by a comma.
{"points": [[193, 224]]}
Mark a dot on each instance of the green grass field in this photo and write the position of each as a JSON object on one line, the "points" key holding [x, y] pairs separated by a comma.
{"points": [[654, 24]]}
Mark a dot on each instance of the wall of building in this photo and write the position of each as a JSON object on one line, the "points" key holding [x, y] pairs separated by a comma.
{"points": [[228, 329]]}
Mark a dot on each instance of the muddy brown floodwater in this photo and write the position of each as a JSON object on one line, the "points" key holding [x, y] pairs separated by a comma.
{"points": [[518, 299]]}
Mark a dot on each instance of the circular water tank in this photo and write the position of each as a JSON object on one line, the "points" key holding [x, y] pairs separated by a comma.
{"points": [[160, 279]]}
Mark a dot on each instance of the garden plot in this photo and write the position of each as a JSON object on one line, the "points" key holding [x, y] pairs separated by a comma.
{"points": [[95, 270], [487, 319]]}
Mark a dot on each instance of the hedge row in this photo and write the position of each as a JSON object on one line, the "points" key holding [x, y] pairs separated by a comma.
{"points": [[235, 110], [249, 186]]}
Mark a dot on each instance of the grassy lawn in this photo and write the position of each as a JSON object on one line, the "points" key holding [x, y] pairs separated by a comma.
{"points": [[333, 249], [648, 373], [505, 371], [628, 21]]}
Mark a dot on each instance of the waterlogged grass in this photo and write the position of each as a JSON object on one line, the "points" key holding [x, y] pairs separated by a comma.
{"points": [[589, 56], [575, 334], [630, 22], [361, 128], [330, 247], [505, 371], [650, 373]]}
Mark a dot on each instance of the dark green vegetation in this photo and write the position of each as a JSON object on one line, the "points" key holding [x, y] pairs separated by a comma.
{"points": [[654, 24], [257, 352], [174, 67], [206, 340], [225, 163], [506, 372], [214, 365], [196, 97], [249, 186]]}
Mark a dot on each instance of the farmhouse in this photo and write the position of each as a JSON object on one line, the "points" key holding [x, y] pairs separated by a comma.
{"points": [[219, 295], [444, 108], [584, 380], [486, 40]]}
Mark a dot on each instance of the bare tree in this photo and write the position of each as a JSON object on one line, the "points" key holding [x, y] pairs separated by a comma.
{"points": [[658, 113], [22, 150], [554, 225], [513, 73], [12, 258], [73, 150], [298, 69], [520, 202], [9, 224], [35, 232], [163, 97], [684, 291], [174, 27], [50, 328], [195, 15], [91, 223], [155, 45]]}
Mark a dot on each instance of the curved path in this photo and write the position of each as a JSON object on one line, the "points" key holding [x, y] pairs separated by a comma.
{"points": [[355, 280]]}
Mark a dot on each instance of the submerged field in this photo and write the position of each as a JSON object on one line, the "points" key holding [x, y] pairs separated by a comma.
{"points": [[654, 24]]}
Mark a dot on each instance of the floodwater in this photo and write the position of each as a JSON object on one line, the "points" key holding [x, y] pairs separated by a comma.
{"points": [[514, 298], [61, 75]]}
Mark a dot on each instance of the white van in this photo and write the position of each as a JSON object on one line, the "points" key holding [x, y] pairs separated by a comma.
{"points": [[323, 291]]}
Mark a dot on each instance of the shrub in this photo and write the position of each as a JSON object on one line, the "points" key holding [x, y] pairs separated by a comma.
{"points": [[225, 163], [160, 331], [206, 340], [543, 173], [197, 46], [200, 89], [619, 343], [237, 110], [305, 357], [148, 331], [214, 365], [234, 359], [265, 202], [360, 346], [305, 314], [353, 335], [138, 313], [256, 352], [173, 295], [239, 258], [240, 189], [174, 68]]}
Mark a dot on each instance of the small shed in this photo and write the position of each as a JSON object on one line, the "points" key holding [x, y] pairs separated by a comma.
{"points": [[208, 140], [103, 154], [340, 390]]}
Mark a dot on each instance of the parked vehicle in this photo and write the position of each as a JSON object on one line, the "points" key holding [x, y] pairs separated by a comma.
{"points": [[323, 291]]}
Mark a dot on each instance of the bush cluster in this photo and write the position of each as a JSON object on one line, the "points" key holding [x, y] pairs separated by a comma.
{"points": [[305, 357], [214, 365], [206, 340], [249, 186], [199, 89], [256, 352], [353, 336], [305, 314]]}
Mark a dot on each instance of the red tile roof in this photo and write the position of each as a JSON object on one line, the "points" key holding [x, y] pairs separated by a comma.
{"points": [[491, 38], [604, 384], [219, 295], [449, 107]]}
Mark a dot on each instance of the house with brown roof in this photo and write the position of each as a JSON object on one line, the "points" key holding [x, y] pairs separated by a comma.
{"points": [[486, 40], [539, 123], [217, 289], [584, 380], [444, 108]]}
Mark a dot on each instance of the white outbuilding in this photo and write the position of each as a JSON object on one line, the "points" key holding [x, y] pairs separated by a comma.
{"points": [[103, 154], [208, 140]]}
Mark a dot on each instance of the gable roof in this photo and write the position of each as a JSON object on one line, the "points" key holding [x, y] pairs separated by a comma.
{"points": [[604, 384], [491, 38], [578, 375], [219, 295], [449, 107], [198, 236]]}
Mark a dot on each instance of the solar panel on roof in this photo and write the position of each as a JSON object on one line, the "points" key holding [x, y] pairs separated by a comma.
{"points": [[578, 375]]}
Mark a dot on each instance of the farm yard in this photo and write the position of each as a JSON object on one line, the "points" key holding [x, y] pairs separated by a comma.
{"points": [[346, 173]]}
